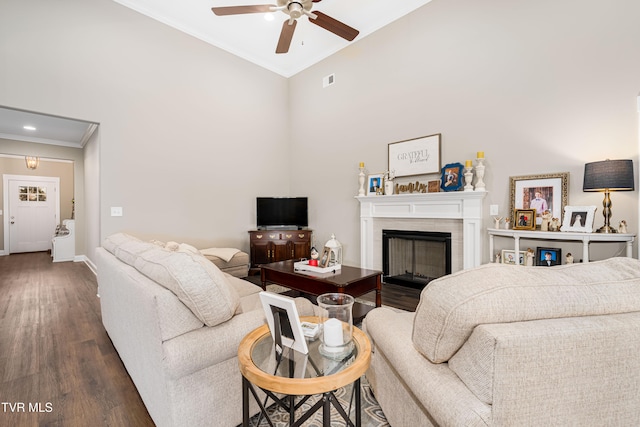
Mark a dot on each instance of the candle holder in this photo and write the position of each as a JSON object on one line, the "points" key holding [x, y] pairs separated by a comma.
{"points": [[480, 175], [468, 177], [361, 181], [336, 316]]}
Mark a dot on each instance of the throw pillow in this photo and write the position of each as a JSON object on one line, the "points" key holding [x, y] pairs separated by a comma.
{"points": [[197, 282]]}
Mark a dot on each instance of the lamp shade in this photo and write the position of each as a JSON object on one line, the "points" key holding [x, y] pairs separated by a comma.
{"points": [[613, 175]]}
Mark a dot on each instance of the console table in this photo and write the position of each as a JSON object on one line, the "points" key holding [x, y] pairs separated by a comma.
{"points": [[567, 236]]}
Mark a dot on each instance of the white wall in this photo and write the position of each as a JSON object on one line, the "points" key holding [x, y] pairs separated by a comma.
{"points": [[189, 134], [540, 87], [91, 205]]}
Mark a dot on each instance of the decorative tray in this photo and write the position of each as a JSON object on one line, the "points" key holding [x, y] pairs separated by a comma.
{"points": [[303, 266]]}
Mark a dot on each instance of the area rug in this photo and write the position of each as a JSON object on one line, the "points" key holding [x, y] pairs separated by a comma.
{"points": [[372, 415]]}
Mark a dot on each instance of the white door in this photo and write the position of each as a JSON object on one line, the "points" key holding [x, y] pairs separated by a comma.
{"points": [[33, 212]]}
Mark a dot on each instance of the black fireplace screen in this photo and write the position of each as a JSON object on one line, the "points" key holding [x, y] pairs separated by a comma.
{"points": [[414, 258]]}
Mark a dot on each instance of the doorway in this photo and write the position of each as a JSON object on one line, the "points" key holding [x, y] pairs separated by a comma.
{"points": [[33, 211]]}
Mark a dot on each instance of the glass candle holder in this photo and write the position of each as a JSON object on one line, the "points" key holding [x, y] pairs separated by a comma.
{"points": [[337, 325]]}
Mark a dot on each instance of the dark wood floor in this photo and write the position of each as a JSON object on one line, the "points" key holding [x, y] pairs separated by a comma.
{"points": [[57, 364], [397, 296]]}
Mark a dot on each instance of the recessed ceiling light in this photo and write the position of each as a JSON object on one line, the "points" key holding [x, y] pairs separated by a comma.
{"points": [[269, 16], [28, 127]]}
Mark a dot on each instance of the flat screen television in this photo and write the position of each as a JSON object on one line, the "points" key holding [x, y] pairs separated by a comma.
{"points": [[282, 212]]}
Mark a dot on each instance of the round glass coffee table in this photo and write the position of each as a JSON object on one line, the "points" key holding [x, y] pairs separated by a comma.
{"points": [[294, 374]]}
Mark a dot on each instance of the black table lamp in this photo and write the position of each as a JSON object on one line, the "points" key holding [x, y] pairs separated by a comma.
{"points": [[607, 176]]}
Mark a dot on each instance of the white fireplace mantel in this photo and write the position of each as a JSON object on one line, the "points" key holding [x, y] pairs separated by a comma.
{"points": [[466, 206]]}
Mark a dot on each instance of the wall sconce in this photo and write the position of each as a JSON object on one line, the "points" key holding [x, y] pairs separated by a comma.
{"points": [[32, 162], [607, 176]]}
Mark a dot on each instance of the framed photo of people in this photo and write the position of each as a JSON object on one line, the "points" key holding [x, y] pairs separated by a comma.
{"points": [[540, 192], [578, 218], [451, 178], [374, 184], [509, 257], [548, 257], [524, 219]]}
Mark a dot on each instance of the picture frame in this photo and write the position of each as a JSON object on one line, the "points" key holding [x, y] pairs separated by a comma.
{"points": [[578, 218], [451, 177], [524, 219], [325, 258], [509, 257], [433, 186], [553, 189], [548, 257], [290, 331], [417, 156], [374, 184]]}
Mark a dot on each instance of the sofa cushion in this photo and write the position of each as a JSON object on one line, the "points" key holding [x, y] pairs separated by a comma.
{"points": [[452, 306], [115, 240], [198, 283]]}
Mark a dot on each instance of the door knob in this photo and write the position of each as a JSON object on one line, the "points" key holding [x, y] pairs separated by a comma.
{"points": [[13, 222]]}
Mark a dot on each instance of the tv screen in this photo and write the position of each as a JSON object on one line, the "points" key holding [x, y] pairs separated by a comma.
{"points": [[281, 212]]}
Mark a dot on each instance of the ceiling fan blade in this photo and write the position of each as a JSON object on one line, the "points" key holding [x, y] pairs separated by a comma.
{"points": [[286, 35], [336, 27], [239, 10]]}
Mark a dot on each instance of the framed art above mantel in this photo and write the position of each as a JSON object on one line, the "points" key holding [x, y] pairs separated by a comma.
{"points": [[418, 156]]}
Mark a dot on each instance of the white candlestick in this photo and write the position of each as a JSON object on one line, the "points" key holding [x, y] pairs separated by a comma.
{"points": [[333, 333], [361, 181], [480, 174], [468, 177]]}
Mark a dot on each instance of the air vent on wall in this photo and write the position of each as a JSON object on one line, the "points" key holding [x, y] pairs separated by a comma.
{"points": [[329, 80]]}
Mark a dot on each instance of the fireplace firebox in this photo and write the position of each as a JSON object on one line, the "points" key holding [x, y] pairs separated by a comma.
{"points": [[414, 258]]}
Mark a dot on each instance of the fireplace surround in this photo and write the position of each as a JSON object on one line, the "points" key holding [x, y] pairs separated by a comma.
{"points": [[457, 212]]}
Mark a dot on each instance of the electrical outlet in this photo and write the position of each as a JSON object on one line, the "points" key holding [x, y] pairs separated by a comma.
{"points": [[116, 211], [493, 209]]}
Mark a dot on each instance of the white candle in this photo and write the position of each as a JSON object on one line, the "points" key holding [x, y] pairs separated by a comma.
{"points": [[333, 333]]}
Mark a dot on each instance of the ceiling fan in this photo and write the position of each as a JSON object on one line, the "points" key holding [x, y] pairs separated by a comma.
{"points": [[295, 9]]}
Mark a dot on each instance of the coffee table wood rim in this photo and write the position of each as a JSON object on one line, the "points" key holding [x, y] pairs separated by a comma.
{"points": [[302, 386], [283, 273]]}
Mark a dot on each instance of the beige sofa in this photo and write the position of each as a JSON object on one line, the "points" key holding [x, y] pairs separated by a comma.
{"points": [[176, 321], [504, 345]]}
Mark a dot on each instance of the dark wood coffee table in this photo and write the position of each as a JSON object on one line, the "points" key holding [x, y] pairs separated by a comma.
{"points": [[349, 280]]}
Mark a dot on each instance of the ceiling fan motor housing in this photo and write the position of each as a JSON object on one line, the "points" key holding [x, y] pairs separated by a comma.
{"points": [[295, 9]]}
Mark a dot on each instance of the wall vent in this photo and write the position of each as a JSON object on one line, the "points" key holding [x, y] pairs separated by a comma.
{"points": [[329, 80]]}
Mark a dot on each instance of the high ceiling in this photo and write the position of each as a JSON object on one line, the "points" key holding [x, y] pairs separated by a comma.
{"points": [[249, 36], [252, 37]]}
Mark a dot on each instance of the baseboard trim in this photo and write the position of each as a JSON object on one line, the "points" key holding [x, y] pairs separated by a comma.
{"points": [[87, 261]]}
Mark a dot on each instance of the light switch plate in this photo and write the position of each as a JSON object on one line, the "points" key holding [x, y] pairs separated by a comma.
{"points": [[116, 211]]}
